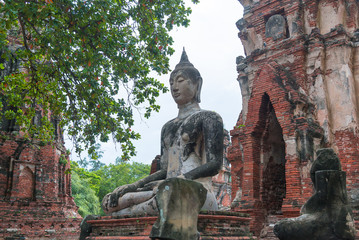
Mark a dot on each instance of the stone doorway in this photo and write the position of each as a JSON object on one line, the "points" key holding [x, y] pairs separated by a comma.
{"points": [[272, 159]]}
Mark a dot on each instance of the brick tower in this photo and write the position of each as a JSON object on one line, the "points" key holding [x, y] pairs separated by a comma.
{"points": [[35, 186], [300, 90]]}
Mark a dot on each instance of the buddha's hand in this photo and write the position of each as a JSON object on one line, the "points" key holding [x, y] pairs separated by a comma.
{"points": [[119, 192]]}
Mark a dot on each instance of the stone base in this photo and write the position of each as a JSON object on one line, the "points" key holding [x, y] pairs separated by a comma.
{"points": [[212, 226]]}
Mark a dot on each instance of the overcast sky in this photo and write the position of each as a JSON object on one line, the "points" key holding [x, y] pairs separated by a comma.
{"points": [[212, 45]]}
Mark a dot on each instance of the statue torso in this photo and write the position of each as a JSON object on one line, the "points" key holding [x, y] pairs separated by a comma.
{"points": [[182, 144]]}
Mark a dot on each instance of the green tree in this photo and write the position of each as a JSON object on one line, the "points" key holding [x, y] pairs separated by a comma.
{"points": [[115, 175], [86, 62], [85, 188], [89, 187], [94, 162]]}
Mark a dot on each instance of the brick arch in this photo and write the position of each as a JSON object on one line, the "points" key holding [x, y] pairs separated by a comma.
{"points": [[272, 85], [271, 80], [259, 136], [272, 158]]}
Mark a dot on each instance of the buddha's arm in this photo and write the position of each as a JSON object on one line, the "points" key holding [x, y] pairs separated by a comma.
{"points": [[133, 187], [212, 128], [140, 184], [159, 175]]}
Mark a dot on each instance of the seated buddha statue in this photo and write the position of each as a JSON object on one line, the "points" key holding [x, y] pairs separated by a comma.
{"points": [[191, 148]]}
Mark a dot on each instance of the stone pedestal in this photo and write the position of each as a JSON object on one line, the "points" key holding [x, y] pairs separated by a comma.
{"points": [[211, 225]]}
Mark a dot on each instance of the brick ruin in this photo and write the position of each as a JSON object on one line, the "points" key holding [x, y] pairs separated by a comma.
{"points": [[300, 90], [35, 190], [35, 184]]}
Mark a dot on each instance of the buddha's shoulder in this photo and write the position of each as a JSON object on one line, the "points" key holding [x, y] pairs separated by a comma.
{"points": [[169, 124], [197, 118], [207, 115]]}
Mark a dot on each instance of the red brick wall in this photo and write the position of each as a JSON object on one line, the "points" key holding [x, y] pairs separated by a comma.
{"points": [[296, 73], [35, 192]]}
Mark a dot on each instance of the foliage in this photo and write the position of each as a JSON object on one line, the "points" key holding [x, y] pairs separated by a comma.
{"points": [[89, 187], [93, 163], [119, 160], [240, 126], [63, 160], [91, 178], [86, 62], [84, 190], [115, 175]]}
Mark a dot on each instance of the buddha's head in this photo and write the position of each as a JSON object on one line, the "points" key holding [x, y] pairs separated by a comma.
{"points": [[185, 82]]}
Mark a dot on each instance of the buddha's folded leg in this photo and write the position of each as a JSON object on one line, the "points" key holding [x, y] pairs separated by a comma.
{"points": [[130, 199], [134, 198], [148, 207]]}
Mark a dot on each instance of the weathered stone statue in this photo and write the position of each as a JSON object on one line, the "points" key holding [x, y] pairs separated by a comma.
{"points": [[326, 215], [191, 148]]}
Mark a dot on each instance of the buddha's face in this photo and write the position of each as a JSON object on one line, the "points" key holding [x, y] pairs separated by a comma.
{"points": [[183, 89]]}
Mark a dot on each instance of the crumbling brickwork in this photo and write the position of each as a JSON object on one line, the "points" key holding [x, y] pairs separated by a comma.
{"points": [[300, 90], [222, 181], [35, 190]]}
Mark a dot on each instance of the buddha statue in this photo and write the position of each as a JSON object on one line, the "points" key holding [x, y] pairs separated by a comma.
{"points": [[191, 148]]}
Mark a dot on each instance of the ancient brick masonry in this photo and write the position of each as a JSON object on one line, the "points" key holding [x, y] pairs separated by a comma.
{"points": [[300, 89], [222, 181], [35, 190]]}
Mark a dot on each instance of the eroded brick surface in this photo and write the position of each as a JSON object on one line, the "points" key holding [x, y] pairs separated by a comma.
{"points": [[300, 88], [222, 181], [35, 191]]}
